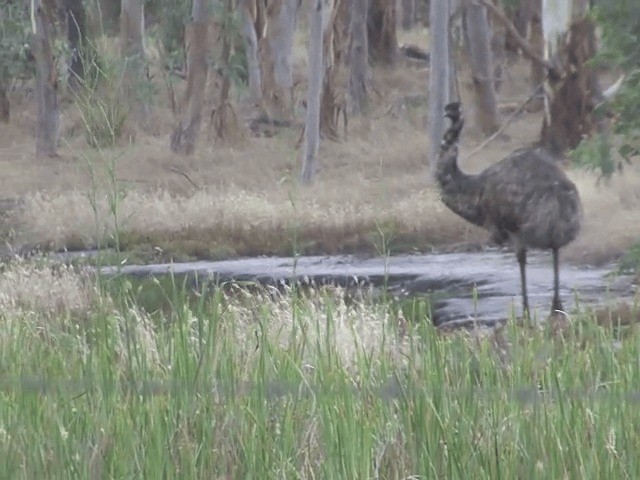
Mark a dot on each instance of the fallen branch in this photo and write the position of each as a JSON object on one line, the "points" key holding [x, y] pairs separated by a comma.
{"points": [[506, 124], [185, 175], [527, 51]]}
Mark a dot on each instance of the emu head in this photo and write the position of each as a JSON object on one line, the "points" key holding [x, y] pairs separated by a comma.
{"points": [[453, 111]]}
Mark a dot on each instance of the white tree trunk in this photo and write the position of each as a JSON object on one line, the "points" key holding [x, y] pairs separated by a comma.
{"points": [[317, 14], [480, 54], [439, 76], [556, 20]]}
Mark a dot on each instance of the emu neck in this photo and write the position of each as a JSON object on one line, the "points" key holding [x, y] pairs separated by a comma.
{"points": [[460, 192]]}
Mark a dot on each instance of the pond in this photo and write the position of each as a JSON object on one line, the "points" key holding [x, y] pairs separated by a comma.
{"points": [[482, 287]]}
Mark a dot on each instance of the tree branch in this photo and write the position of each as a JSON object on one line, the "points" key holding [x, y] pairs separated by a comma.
{"points": [[185, 175], [506, 124], [527, 51]]}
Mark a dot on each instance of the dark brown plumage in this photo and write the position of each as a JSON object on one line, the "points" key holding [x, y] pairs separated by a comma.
{"points": [[525, 199]]}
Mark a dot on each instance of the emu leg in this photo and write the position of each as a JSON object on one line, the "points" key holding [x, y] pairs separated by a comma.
{"points": [[557, 303], [522, 260]]}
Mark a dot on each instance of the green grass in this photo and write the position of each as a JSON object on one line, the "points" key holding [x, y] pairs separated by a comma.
{"points": [[283, 385], [630, 262]]}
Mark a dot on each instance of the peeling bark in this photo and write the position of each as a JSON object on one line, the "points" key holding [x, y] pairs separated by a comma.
{"points": [[334, 91], [569, 99]]}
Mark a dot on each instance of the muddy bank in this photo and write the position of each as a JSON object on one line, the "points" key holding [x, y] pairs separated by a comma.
{"points": [[449, 279]]}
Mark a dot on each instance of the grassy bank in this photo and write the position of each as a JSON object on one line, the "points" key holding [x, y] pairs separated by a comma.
{"points": [[218, 223], [274, 385]]}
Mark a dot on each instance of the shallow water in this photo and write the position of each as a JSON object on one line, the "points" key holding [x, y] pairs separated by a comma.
{"points": [[448, 278]]}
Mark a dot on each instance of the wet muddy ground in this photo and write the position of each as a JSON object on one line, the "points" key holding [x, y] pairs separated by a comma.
{"points": [[448, 279]]}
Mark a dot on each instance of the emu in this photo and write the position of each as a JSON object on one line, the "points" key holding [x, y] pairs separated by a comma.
{"points": [[525, 199]]}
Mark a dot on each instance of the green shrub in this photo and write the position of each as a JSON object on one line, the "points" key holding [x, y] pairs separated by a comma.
{"points": [[620, 26], [595, 154], [630, 262]]}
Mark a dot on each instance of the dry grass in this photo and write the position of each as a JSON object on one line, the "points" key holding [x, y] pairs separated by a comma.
{"points": [[354, 329], [242, 198], [245, 221], [44, 290], [620, 314], [612, 216]]}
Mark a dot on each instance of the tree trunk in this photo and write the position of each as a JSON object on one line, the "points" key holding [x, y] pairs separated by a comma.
{"points": [[133, 55], [520, 16], [185, 134], [316, 74], [5, 107], [408, 14], [276, 49], [479, 44], [359, 74], [46, 80], [423, 9], [536, 40], [382, 32], [498, 40], [250, 18], [569, 98], [76, 31], [109, 11], [220, 117], [334, 91], [439, 76]]}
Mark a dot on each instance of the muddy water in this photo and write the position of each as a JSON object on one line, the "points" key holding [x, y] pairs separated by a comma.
{"points": [[449, 279]]}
